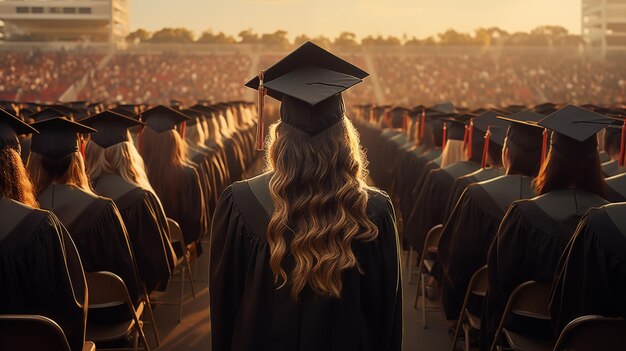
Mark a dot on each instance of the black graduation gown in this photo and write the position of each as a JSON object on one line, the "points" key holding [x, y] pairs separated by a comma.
{"points": [[616, 188], [189, 210], [529, 243], [468, 233], [203, 169], [592, 274], [248, 312], [147, 228], [97, 229], [432, 199], [461, 183], [416, 162], [40, 270]]}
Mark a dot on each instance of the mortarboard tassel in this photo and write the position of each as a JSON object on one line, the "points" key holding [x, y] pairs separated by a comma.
{"points": [[470, 135], [544, 145], [422, 123], [139, 135], [486, 147], [183, 126], [260, 128], [82, 146], [444, 136], [622, 147], [405, 122]]}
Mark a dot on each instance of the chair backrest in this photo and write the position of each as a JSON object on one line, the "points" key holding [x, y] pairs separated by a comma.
{"points": [[530, 299], [480, 282], [31, 332], [432, 238], [176, 234], [106, 287], [589, 333]]}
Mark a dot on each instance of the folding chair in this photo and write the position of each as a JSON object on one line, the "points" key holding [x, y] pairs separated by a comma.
{"points": [[106, 288], [590, 333], [33, 332], [183, 265], [426, 266], [529, 299], [478, 286], [145, 298]]}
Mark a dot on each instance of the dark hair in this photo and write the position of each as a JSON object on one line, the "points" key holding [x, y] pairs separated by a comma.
{"points": [[495, 154], [561, 171], [524, 162], [14, 181]]}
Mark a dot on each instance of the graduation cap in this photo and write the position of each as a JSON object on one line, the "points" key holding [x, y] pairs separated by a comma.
{"points": [[446, 107], [207, 111], [515, 108], [112, 128], [482, 123], [523, 130], [65, 110], [308, 82], [125, 112], [574, 129], [47, 113], [10, 128], [58, 137], [162, 118], [398, 117], [195, 115]]}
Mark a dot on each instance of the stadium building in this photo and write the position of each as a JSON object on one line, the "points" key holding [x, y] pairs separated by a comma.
{"points": [[604, 25], [65, 20]]}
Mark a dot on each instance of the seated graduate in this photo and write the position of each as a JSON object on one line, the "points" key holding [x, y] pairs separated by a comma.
{"points": [[305, 256], [57, 168], [475, 219], [173, 177], [592, 274], [40, 270], [435, 192], [116, 170], [533, 233], [491, 166]]}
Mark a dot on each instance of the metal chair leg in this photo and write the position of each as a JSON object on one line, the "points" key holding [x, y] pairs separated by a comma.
{"points": [[136, 340], [182, 293], [143, 337], [423, 300], [410, 263], [466, 330], [193, 289], [153, 321]]}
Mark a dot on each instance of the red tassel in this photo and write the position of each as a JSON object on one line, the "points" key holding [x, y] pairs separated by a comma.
{"points": [[445, 136], [544, 145], [486, 148], [82, 147], [405, 122], [183, 126], [139, 136], [470, 135], [422, 123], [622, 148], [260, 129]]}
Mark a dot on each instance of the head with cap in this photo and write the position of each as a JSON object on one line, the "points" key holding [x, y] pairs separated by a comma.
{"points": [[164, 151], [56, 156], [317, 161], [14, 181], [110, 150], [573, 160], [521, 151]]}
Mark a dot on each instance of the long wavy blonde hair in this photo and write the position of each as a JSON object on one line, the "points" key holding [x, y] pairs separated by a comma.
{"points": [[66, 170], [14, 181], [320, 199], [121, 159]]}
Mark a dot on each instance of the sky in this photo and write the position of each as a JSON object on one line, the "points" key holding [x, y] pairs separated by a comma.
{"points": [[420, 18]]}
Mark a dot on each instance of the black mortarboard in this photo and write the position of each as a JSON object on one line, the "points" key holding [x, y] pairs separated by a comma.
{"points": [[66, 110], [397, 115], [57, 137], [308, 82], [446, 107], [112, 128], [515, 108], [10, 128], [195, 115], [575, 129], [524, 131], [455, 128], [207, 111], [125, 112], [546, 108], [162, 118], [47, 113], [488, 119]]}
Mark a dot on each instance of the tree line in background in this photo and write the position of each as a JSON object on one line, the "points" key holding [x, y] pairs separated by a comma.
{"points": [[540, 36]]}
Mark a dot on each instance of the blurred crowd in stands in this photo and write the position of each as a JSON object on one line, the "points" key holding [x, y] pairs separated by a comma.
{"points": [[469, 80]]}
